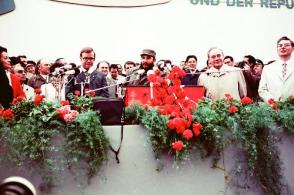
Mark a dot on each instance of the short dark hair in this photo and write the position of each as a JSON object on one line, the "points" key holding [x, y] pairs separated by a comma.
{"points": [[2, 49], [229, 57], [22, 56], [258, 61], [31, 62], [113, 66], [87, 50], [14, 60], [129, 62], [251, 59], [102, 62], [190, 56], [286, 39]]}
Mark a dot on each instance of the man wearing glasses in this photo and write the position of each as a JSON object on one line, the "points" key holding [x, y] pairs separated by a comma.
{"points": [[277, 79], [88, 78], [19, 72]]}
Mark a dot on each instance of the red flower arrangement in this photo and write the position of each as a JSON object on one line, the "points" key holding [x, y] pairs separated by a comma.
{"points": [[170, 99]]}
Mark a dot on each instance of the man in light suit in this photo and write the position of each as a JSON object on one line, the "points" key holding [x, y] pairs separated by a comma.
{"points": [[222, 79], [89, 77], [277, 79]]}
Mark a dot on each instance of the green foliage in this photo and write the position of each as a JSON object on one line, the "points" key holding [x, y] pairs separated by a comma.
{"points": [[161, 138], [81, 103], [157, 131], [214, 122], [31, 139], [28, 138], [134, 113], [253, 127], [86, 142], [285, 114]]}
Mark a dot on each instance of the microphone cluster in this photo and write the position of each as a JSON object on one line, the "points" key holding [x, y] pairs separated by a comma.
{"points": [[68, 69]]}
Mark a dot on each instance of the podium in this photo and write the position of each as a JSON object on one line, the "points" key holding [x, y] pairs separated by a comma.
{"points": [[111, 110], [142, 94]]}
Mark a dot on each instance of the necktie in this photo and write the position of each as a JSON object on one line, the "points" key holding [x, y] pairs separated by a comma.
{"points": [[284, 71]]}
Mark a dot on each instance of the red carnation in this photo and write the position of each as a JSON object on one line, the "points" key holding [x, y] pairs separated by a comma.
{"points": [[180, 125], [151, 78], [171, 124], [228, 95], [187, 134], [232, 109], [38, 99], [18, 99], [38, 91], [230, 99], [178, 145], [90, 93], [271, 101], [77, 92], [274, 106], [7, 114], [64, 102], [197, 129], [246, 100]]}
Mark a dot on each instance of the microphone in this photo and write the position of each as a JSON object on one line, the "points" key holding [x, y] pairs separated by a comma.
{"points": [[149, 72], [68, 66], [140, 71], [74, 72]]}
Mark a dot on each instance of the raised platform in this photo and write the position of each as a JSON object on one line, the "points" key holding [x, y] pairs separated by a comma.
{"points": [[138, 174]]}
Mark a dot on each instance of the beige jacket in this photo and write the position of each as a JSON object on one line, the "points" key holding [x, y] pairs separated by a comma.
{"points": [[227, 80]]}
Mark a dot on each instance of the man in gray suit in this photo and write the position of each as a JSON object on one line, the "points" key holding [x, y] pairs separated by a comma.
{"points": [[88, 78]]}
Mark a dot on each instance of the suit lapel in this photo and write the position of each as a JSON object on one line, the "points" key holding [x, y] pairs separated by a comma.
{"points": [[81, 77]]}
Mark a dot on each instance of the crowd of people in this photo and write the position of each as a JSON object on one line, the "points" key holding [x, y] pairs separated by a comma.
{"points": [[20, 77]]}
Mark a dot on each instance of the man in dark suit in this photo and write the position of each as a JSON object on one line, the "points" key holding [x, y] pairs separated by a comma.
{"points": [[88, 78]]}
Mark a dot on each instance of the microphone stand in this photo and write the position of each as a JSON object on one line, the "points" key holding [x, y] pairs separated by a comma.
{"points": [[83, 83], [108, 86]]}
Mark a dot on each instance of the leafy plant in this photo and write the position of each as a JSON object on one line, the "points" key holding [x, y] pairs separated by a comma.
{"points": [[285, 114], [87, 145], [30, 133], [28, 138], [134, 113]]}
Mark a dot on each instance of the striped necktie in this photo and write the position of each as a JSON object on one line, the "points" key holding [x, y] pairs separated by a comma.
{"points": [[284, 71]]}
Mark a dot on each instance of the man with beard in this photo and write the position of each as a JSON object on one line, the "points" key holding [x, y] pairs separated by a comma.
{"points": [[138, 75], [277, 79]]}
